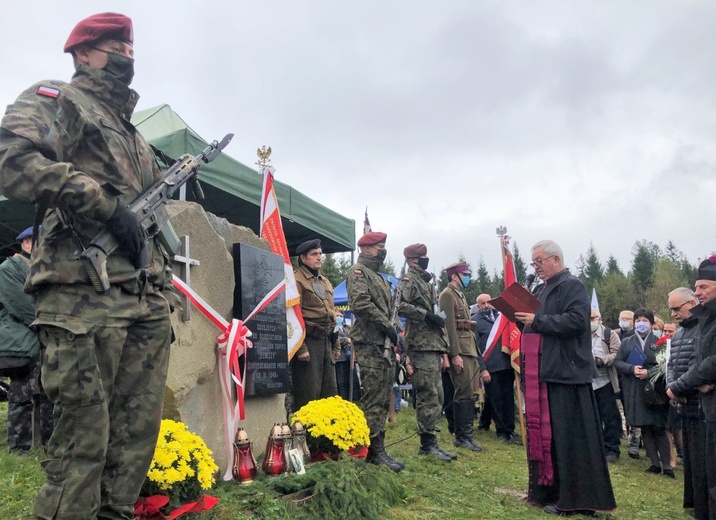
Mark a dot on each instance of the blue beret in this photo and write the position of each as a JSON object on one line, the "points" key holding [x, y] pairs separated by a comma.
{"points": [[25, 234]]}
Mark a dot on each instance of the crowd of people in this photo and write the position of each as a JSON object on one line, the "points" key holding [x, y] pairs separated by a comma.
{"points": [[70, 148], [585, 385]]}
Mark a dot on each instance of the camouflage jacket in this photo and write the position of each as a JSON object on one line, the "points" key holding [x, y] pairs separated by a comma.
{"points": [[415, 302], [71, 149], [17, 311], [455, 307], [369, 300]]}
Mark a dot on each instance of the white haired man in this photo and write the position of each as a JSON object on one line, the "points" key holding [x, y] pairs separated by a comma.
{"points": [[693, 427], [702, 376], [570, 473]]}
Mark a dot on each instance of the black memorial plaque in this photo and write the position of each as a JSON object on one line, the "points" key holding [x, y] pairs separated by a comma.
{"points": [[257, 272]]}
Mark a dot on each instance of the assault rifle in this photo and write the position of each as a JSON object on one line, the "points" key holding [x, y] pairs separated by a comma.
{"points": [[151, 210], [394, 319]]}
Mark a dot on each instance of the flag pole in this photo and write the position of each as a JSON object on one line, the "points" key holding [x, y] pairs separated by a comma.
{"points": [[501, 232]]}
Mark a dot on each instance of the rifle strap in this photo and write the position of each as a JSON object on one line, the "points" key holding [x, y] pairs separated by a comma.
{"points": [[40, 211], [168, 161]]}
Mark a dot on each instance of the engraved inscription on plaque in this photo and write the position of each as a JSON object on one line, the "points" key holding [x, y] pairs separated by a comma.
{"points": [[257, 272]]}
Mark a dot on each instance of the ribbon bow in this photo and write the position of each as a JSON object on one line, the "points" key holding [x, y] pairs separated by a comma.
{"points": [[232, 344]]}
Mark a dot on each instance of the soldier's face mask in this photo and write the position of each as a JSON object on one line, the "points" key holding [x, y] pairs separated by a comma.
{"points": [[382, 253], [423, 262], [118, 66]]}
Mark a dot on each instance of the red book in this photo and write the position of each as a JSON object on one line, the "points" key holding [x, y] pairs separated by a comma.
{"points": [[515, 299]]}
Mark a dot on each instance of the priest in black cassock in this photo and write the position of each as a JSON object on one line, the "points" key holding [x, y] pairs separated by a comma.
{"points": [[567, 463]]}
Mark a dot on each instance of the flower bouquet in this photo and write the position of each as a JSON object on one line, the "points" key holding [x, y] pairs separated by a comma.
{"points": [[333, 425], [655, 390], [182, 468], [659, 370]]}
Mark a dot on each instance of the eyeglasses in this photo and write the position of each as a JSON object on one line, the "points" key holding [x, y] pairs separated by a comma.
{"points": [[539, 261], [677, 308]]}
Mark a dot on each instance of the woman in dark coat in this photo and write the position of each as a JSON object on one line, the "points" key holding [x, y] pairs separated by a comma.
{"points": [[653, 419]]}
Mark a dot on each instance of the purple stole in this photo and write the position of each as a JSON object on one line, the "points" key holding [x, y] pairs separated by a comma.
{"points": [[539, 427]]}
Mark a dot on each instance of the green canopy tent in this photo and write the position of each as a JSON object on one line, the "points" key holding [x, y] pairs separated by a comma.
{"points": [[232, 190]]}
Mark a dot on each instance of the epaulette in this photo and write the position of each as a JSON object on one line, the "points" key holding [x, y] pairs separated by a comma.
{"points": [[50, 92]]}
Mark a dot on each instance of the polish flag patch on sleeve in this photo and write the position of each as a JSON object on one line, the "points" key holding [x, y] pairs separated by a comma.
{"points": [[48, 91]]}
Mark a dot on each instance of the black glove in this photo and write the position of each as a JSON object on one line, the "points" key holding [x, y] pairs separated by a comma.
{"points": [[126, 227], [390, 332], [599, 361], [434, 319]]}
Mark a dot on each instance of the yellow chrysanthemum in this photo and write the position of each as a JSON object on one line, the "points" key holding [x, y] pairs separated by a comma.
{"points": [[340, 422], [180, 457]]}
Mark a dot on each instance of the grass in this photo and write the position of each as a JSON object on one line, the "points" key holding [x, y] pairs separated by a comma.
{"points": [[478, 485]]}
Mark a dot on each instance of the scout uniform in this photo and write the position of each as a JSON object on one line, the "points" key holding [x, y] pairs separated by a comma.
{"points": [[316, 377]]}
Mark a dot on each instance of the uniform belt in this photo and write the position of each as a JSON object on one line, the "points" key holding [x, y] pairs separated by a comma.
{"points": [[465, 324], [316, 331]]}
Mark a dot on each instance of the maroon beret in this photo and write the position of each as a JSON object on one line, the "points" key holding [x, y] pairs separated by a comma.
{"points": [[458, 267], [415, 251], [371, 238], [102, 26], [707, 269]]}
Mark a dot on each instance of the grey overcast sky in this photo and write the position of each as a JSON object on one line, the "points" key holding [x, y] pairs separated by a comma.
{"points": [[578, 121]]}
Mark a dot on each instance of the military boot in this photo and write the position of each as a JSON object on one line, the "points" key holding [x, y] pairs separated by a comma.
{"points": [[452, 456], [464, 417], [394, 461], [429, 446], [376, 454], [633, 449]]}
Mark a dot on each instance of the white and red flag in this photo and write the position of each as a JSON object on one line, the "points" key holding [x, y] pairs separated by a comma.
{"points": [[366, 223], [503, 329], [272, 231]]}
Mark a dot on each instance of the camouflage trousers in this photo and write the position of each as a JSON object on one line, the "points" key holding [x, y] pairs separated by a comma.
{"points": [[377, 375], [315, 378], [104, 367], [28, 411], [428, 387]]}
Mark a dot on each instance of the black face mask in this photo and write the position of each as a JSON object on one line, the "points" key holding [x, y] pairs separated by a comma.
{"points": [[119, 66], [423, 262], [487, 312], [382, 253]]}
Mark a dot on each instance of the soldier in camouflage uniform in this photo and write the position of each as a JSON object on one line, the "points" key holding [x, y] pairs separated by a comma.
{"points": [[71, 149], [370, 302], [426, 347], [20, 354], [465, 361], [312, 372]]}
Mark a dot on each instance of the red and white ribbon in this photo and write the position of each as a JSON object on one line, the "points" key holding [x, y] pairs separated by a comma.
{"points": [[232, 344]]}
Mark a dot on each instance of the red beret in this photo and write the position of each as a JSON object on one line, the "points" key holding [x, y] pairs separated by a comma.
{"points": [[458, 267], [415, 251], [103, 26], [371, 238]]}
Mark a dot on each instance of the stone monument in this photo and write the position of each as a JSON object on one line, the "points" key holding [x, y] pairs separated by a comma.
{"points": [[193, 391]]}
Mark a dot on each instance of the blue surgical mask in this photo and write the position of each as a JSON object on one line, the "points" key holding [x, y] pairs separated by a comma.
{"points": [[465, 281], [624, 325], [642, 327], [656, 333], [339, 320]]}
